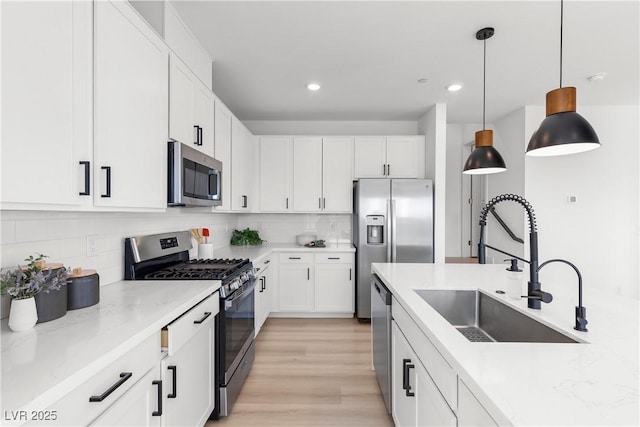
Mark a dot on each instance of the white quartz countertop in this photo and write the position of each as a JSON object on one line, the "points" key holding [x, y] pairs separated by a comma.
{"points": [[595, 383], [40, 365], [254, 253]]}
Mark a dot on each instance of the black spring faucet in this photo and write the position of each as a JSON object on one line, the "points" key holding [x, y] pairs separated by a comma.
{"points": [[535, 295]]}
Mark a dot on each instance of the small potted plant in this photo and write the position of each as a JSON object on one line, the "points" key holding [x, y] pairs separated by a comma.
{"points": [[23, 284]]}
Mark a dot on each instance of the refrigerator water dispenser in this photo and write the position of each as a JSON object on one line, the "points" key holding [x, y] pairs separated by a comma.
{"points": [[375, 229]]}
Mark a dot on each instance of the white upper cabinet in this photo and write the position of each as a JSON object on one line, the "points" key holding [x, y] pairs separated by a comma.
{"points": [[191, 109], [242, 160], [389, 157], [131, 115], [186, 46], [307, 174], [370, 154], [322, 174], [275, 174], [46, 142], [337, 174], [222, 151]]}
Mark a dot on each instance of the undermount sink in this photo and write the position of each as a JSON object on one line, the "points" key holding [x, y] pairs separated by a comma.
{"points": [[481, 318]]}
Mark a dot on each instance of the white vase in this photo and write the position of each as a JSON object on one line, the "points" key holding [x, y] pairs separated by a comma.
{"points": [[23, 315]]}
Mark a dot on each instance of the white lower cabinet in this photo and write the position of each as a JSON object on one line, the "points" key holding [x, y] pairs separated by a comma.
{"points": [[470, 411], [334, 288], [416, 400], [315, 284], [188, 370], [264, 284], [140, 406], [295, 285]]}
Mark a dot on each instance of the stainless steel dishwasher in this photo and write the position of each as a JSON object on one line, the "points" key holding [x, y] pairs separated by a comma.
{"points": [[381, 337]]}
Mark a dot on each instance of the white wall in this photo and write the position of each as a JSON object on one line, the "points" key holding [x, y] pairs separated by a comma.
{"points": [[268, 127], [433, 124], [510, 140], [599, 233]]}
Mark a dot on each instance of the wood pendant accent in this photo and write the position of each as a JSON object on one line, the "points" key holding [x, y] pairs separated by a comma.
{"points": [[561, 100], [484, 138]]}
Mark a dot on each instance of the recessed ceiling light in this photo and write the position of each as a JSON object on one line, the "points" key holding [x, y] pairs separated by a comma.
{"points": [[313, 86], [596, 77], [454, 87], [423, 81]]}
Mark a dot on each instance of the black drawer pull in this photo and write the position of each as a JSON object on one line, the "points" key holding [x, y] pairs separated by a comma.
{"points": [[200, 139], [159, 411], [174, 375], [294, 257], [406, 365], [334, 257], [87, 178], [267, 261], [206, 315], [245, 201], [124, 376]]}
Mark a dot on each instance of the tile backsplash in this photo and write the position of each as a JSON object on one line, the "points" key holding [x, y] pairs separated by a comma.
{"points": [[283, 228], [64, 236]]}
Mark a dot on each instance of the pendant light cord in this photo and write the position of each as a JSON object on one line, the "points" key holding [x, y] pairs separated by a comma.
{"points": [[561, 25], [484, 82]]}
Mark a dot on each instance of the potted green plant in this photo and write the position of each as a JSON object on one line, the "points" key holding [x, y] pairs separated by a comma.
{"points": [[24, 284], [246, 237]]}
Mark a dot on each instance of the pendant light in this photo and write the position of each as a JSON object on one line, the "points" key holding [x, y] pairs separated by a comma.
{"points": [[563, 131], [484, 159]]}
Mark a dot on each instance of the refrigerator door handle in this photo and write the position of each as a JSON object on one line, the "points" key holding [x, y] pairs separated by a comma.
{"points": [[388, 236], [393, 231]]}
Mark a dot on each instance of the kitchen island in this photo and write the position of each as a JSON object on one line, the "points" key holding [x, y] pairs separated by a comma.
{"points": [[590, 383]]}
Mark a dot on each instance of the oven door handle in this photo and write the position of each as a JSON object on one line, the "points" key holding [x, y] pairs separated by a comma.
{"points": [[229, 301]]}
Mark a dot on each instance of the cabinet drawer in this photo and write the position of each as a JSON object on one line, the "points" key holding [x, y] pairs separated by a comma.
{"points": [[334, 258], [179, 331], [296, 258], [107, 386], [263, 264], [440, 371]]}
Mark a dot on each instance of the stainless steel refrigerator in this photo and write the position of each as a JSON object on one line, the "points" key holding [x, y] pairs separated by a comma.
{"points": [[392, 222]]}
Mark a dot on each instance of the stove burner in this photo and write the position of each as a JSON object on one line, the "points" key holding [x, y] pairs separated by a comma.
{"points": [[200, 269]]}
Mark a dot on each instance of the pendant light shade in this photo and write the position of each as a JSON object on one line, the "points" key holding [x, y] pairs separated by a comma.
{"points": [[563, 131], [484, 159]]}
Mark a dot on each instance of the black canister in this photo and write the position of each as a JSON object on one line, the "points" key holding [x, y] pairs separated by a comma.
{"points": [[83, 289], [53, 304]]}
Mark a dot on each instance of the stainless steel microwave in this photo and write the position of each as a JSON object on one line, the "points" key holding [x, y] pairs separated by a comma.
{"points": [[195, 179]]}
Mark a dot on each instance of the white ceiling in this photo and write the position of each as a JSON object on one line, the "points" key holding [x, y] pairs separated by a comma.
{"points": [[369, 55]]}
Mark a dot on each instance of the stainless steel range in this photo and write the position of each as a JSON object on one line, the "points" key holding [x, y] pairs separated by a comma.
{"points": [[166, 257]]}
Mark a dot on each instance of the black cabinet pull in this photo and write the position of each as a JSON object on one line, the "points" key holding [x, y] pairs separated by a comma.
{"points": [[267, 261], [264, 282], [200, 139], [174, 376], [87, 178], [206, 315], [261, 284], [124, 376], [406, 365], [195, 135], [245, 201], [350, 278], [334, 257], [384, 170], [388, 169], [308, 273], [159, 411], [294, 257], [324, 203], [108, 170], [287, 203]]}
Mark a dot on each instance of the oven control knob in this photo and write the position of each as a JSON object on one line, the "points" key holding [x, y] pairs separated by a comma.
{"points": [[235, 284]]}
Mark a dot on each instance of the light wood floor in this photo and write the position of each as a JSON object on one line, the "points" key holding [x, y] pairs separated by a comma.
{"points": [[310, 372]]}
